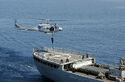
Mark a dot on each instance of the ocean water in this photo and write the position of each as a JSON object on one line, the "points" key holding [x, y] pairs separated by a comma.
{"points": [[94, 26]]}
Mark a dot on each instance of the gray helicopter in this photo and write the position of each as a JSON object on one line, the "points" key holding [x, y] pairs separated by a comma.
{"points": [[46, 28]]}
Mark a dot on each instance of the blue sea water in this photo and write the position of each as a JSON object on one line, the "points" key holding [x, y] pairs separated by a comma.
{"points": [[94, 26]]}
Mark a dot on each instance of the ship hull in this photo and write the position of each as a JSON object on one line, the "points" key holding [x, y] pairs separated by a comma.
{"points": [[59, 75]]}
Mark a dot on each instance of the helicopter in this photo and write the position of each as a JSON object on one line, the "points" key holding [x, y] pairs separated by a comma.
{"points": [[47, 28]]}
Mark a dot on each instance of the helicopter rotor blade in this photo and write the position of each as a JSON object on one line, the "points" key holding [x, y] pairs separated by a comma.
{"points": [[57, 20], [50, 19]]}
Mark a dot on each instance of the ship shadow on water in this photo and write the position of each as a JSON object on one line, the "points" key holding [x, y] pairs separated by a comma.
{"points": [[17, 68]]}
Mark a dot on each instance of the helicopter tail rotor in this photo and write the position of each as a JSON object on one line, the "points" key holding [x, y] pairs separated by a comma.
{"points": [[16, 24], [15, 21]]}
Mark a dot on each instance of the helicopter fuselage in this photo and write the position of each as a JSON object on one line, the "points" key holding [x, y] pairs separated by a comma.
{"points": [[48, 28]]}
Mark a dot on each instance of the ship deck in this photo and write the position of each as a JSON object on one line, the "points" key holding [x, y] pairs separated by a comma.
{"points": [[92, 76], [58, 57]]}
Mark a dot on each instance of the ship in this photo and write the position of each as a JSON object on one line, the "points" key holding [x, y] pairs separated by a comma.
{"points": [[62, 65]]}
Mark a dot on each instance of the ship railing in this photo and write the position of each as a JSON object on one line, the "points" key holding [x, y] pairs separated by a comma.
{"points": [[61, 50]]}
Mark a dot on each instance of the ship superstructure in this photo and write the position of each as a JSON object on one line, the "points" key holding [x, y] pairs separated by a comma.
{"points": [[67, 66]]}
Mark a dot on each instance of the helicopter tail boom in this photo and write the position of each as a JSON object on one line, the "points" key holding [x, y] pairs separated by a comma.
{"points": [[25, 28]]}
